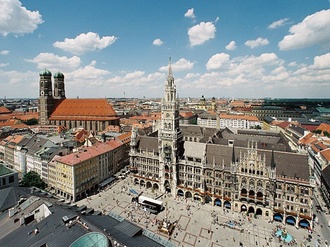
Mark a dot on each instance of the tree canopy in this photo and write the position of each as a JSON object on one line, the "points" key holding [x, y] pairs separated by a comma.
{"points": [[32, 121], [33, 179]]}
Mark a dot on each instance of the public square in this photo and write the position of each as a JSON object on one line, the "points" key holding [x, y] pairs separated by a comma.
{"points": [[196, 225]]}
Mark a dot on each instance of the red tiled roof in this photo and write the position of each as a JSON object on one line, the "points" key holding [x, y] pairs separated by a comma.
{"points": [[125, 138], [26, 116], [318, 146], [309, 127], [186, 114], [307, 139], [324, 127], [4, 110], [87, 153], [13, 123], [326, 154], [283, 125], [83, 109]]}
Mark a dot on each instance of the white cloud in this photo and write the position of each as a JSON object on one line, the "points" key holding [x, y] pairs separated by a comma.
{"points": [[192, 75], [157, 42], [279, 23], [217, 61], [54, 62], [190, 13], [89, 73], [231, 46], [180, 65], [322, 62], [255, 43], [16, 19], [4, 64], [313, 30], [85, 42], [201, 33], [4, 52], [12, 82]]}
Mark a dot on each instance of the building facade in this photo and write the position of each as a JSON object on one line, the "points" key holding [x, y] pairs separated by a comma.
{"points": [[241, 173]]}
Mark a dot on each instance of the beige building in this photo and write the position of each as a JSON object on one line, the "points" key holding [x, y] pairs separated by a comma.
{"points": [[77, 175]]}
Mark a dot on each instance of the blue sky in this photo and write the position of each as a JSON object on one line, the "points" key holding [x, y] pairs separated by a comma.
{"points": [[241, 49]]}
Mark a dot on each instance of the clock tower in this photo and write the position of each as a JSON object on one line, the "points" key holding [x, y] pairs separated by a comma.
{"points": [[170, 139]]}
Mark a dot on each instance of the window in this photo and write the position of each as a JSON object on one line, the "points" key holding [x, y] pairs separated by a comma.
{"points": [[11, 179]]}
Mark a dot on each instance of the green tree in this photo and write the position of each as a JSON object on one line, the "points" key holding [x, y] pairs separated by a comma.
{"points": [[32, 121], [326, 133], [33, 179]]}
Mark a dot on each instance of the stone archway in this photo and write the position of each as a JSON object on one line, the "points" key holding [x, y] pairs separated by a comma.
{"points": [[278, 217], [180, 193], [197, 197], [304, 223], [208, 199], [167, 186], [142, 183], [136, 181], [251, 210], [243, 208], [227, 204], [148, 185], [259, 211], [217, 202], [155, 186], [290, 220], [188, 194]]}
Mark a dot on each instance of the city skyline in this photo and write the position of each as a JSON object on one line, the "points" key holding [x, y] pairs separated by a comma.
{"points": [[121, 49]]}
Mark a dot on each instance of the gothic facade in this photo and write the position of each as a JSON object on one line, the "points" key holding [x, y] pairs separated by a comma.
{"points": [[248, 172]]}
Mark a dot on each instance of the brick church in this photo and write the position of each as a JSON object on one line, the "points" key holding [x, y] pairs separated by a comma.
{"points": [[55, 109]]}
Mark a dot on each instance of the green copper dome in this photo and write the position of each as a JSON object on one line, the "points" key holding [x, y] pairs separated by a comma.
{"points": [[45, 72], [58, 75]]}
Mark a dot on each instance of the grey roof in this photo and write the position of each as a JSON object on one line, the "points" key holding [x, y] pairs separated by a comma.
{"points": [[114, 228], [191, 130], [290, 165], [9, 197], [52, 232], [34, 144], [148, 143], [128, 228], [194, 149]]}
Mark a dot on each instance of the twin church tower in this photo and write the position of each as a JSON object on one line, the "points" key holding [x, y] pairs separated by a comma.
{"points": [[47, 98]]}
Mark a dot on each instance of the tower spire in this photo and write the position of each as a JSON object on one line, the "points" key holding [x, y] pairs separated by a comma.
{"points": [[170, 78], [170, 67]]}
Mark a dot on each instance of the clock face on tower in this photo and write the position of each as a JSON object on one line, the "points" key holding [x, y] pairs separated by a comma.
{"points": [[167, 114]]}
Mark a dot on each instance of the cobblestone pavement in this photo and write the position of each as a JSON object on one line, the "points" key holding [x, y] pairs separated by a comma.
{"points": [[201, 225]]}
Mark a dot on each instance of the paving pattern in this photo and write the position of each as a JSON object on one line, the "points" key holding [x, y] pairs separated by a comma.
{"points": [[197, 225]]}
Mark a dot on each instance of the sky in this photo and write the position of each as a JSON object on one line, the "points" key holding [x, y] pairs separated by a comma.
{"points": [[122, 48]]}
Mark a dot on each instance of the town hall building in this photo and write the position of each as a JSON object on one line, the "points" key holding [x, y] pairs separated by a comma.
{"points": [[248, 171]]}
